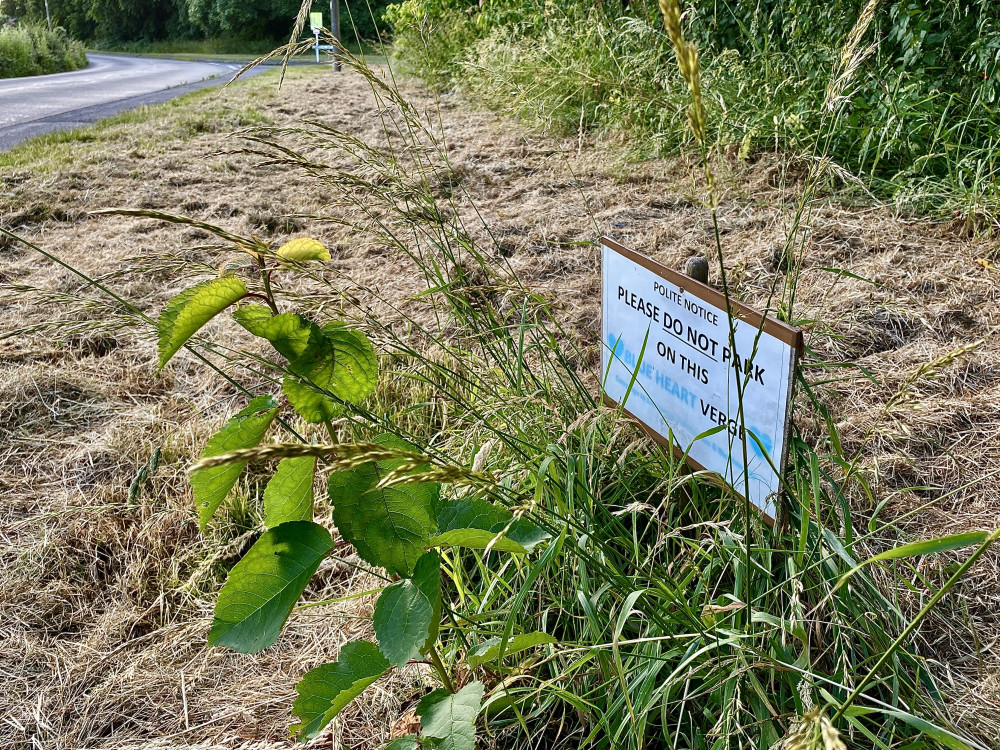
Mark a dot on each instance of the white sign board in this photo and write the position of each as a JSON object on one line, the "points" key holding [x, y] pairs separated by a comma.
{"points": [[687, 377]]}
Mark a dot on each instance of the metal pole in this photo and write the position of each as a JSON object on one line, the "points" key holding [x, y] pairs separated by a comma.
{"points": [[334, 29], [48, 17]]}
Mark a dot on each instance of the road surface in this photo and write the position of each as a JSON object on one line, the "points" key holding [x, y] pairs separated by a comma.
{"points": [[111, 84]]}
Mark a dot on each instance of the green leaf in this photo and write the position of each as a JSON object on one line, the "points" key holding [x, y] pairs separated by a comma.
{"points": [[408, 742], [925, 547], [325, 690], [330, 361], [289, 494], [263, 587], [303, 249], [475, 539], [476, 513], [340, 361], [450, 719], [389, 526], [245, 430], [289, 333], [932, 546], [489, 649], [408, 613], [193, 308], [946, 738]]}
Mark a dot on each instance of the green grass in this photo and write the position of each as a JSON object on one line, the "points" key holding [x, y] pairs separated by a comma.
{"points": [[212, 50], [182, 118], [921, 129], [222, 46], [199, 56]]}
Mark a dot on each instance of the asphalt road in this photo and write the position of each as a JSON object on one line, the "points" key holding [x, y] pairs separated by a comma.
{"points": [[110, 84]]}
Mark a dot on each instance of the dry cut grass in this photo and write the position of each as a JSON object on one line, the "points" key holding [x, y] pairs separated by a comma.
{"points": [[105, 601]]}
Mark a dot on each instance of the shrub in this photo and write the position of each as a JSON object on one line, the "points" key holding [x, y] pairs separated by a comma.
{"points": [[27, 50]]}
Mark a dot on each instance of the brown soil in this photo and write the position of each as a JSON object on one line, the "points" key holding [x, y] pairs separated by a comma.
{"points": [[105, 602]]}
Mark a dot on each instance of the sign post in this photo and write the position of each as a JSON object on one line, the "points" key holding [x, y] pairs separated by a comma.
{"points": [[335, 29], [316, 22], [668, 362]]}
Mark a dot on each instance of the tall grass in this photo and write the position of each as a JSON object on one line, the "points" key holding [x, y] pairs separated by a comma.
{"points": [[27, 50]]}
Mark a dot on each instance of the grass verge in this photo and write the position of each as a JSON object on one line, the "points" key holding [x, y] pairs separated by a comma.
{"points": [[649, 557], [920, 130]]}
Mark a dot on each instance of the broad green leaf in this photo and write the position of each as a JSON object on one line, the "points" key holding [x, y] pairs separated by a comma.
{"points": [[356, 364], [289, 333], [476, 513], [193, 308], [489, 649], [211, 486], [926, 547], [409, 742], [289, 494], [262, 588], [389, 526], [408, 612], [341, 362], [323, 362], [475, 539], [303, 249], [325, 690], [450, 719]]}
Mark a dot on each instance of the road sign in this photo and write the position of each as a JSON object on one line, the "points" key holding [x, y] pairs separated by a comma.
{"points": [[316, 21], [669, 363]]}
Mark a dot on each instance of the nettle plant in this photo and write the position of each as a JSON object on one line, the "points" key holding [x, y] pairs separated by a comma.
{"points": [[385, 502]]}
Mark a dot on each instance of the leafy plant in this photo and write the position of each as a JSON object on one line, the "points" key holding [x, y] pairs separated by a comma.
{"points": [[30, 49], [382, 503]]}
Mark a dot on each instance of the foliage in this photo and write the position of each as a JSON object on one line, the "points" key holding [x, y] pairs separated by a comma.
{"points": [[384, 507], [112, 20], [29, 49], [118, 23], [922, 125]]}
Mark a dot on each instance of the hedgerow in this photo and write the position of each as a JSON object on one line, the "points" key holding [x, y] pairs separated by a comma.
{"points": [[921, 127], [28, 50]]}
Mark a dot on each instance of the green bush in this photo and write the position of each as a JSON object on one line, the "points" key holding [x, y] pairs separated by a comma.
{"points": [[34, 50], [432, 35], [920, 124]]}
